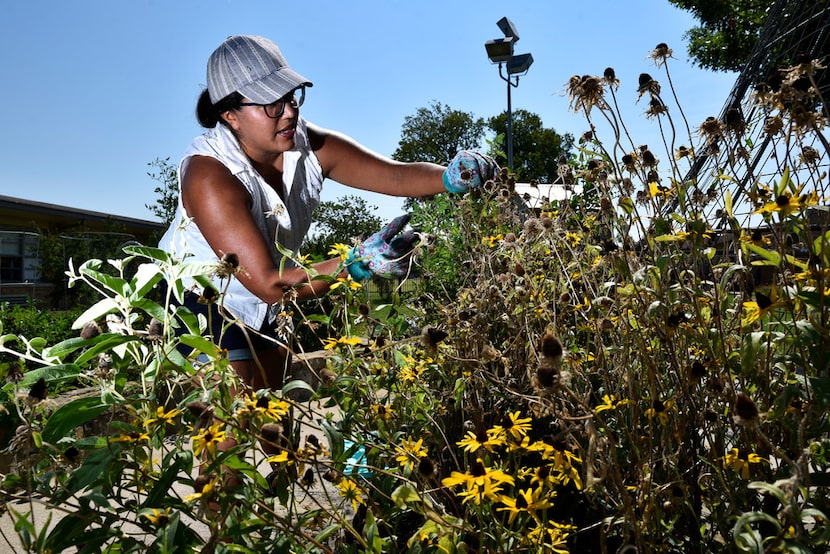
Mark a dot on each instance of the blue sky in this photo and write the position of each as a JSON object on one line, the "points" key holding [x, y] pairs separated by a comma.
{"points": [[94, 90]]}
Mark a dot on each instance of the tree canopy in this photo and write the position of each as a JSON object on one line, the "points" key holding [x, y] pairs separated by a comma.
{"points": [[435, 133], [727, 33], [349, 217], [536, 149]]}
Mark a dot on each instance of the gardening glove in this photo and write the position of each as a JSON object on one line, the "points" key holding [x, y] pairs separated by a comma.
{"points": [[384, 254], [469, 170]]}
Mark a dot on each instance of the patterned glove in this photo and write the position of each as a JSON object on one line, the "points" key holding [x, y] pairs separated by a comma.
{"points": [[384, 254], [469, 170]]}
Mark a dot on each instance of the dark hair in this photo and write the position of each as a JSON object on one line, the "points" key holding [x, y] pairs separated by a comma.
{"points": [[209, 114]]}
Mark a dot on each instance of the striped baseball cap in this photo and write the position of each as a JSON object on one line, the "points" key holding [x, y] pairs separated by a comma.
{"points": [[252, 66]]}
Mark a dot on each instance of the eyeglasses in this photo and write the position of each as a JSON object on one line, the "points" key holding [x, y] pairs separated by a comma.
{"points": [[274, 110]]}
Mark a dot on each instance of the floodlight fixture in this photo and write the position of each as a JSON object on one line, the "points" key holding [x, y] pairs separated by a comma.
{"points": [[519, 64], [500, 49], [508, 29]]}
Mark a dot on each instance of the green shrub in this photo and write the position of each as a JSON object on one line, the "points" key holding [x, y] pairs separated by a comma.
{"points": [[611, 373]]}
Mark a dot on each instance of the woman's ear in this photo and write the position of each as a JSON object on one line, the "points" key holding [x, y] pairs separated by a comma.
{"points": [[230, 118]]}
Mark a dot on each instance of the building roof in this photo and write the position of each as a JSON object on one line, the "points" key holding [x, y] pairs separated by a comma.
{"points": [[29, 215]]}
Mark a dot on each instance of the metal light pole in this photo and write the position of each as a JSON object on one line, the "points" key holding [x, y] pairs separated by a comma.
{"points": [[500, 51]]}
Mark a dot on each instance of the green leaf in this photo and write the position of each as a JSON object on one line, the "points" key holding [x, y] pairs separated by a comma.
{"points": [[404, 494], [769, 257], [108, 342], [146, 277], [627, 205], [297, 384], [97, 310], [200, 343], [71, 416], [156, 254], [175, 463], [116, 285], [94, 467]]}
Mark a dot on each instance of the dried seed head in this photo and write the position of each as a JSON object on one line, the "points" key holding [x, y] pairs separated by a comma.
{"points": [[155, 329], [90, 330], [547, 375], [697, 370], [200, 482], [551, 347], [39, 390], [327, 376], [648, 157], [605, 204], [272, 433], [202, 411], [363, 310], [228, 265], [426, 468], [661, 53], [308, 477], [432, 337], [610, 75], [519, 269], [208, 296], [745, 409]]}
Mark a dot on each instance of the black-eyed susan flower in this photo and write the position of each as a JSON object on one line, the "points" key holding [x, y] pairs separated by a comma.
{"points": [[609, 402], [345, 282], [480, 482], [553, 536], [203, 487], [351, 491], [529, 501], [263, 407], [660, 410], [132, 437], [330, 344], [489, 440], [514, 426], [788, 202], [742, 463], [157, 517], [410, 452], [207, 439], [163, 417], [340, 249], [760, 308]]}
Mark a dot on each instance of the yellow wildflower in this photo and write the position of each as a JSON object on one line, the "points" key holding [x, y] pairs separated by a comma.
{"points": [[329, 344], [207, 439]]}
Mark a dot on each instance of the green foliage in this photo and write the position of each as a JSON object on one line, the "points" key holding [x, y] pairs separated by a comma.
{"points": [[727, 33], [436, 133], [607, 373], [57, 249], [536, 149], [32, 321], [166, 175]]}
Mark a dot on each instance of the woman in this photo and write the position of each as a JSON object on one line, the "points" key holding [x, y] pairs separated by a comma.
{"points": [[253, 180]]}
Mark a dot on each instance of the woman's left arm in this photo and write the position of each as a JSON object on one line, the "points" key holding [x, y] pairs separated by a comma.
{"points": [[351, 164]]}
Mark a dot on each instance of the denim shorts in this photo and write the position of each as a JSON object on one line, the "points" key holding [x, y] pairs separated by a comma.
{"points": [[235, 338]]}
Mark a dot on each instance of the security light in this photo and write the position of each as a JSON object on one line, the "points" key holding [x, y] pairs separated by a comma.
{"points": [[499, 49], [519, 64], [508, 29]]}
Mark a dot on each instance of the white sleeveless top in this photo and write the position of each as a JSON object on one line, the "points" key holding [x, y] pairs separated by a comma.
{"points": [[284, 221]]}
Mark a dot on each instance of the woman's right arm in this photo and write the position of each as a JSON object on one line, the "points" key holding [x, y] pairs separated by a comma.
{"points": [[220, 206]]}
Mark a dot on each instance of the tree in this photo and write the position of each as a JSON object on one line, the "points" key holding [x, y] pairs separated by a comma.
{"points": [[727, 33], [349, 217], [167, 191], [536, 150], [436, 133]]}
